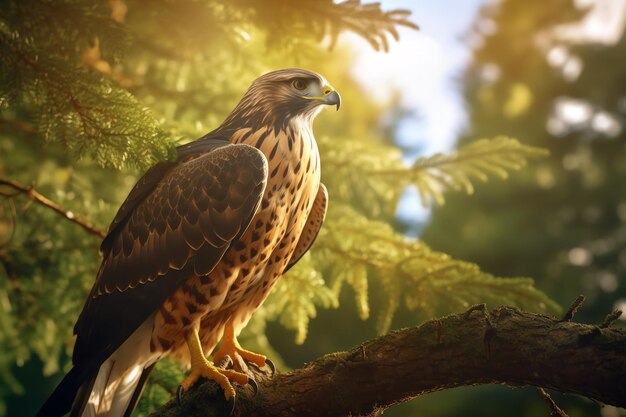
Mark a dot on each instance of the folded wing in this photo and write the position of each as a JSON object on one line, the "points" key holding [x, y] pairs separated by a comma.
{"points": [[180, 228], [312, 227]]}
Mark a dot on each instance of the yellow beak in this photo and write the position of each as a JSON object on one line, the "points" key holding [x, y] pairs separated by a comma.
{"points": [[330, 97]]}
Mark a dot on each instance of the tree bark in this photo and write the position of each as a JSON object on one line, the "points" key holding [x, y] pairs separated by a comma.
{"points": [[504, 346]]}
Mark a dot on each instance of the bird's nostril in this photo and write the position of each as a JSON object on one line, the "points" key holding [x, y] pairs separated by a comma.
{"points": [[326, 92]]}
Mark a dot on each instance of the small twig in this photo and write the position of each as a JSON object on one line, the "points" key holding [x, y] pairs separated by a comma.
{"points": [[483, 309], [44, 201], [571, 312], [611, 318], [555, 410], [476, 307]]}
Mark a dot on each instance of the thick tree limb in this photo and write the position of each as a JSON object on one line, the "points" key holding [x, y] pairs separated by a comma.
{"points": [[39, 198], [504, 346]]}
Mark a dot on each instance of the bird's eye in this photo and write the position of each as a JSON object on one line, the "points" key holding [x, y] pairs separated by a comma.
{"points": [[299, 84]]}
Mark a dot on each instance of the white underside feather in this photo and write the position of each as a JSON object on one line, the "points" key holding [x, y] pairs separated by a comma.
{"points": [[118, 376]]}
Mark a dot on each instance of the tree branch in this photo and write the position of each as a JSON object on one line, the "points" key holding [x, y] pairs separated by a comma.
{"points": [[555, 410], [44, 201], [504, 346]]}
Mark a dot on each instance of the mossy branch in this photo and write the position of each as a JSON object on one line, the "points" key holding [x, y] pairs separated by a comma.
{"points": [[504, 346]]}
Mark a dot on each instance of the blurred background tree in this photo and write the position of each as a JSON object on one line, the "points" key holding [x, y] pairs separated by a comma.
{"points": [[92, 93], [554, 74]]}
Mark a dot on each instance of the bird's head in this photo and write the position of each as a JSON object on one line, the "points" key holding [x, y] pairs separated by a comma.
{"points": [[280, 96]]}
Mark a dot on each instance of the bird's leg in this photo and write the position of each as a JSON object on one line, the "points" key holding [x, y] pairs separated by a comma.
{"points": [[201, 367], [231, 347]]}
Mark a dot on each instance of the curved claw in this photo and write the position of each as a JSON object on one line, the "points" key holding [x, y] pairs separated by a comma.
{"points": [[253, 385], [271, 365], [179, 394]]}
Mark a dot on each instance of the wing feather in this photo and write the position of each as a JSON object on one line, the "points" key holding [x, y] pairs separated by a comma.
{"points": [[181, 228], [312, 228]]}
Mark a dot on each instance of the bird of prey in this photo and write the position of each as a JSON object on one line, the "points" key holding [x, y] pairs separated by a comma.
{"points": [[197, 246]]}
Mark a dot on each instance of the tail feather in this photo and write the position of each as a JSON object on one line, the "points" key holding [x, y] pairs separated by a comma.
{"points": [[109, 388], [94, 393], [112, 392], [138, 390], [82, 396], [115, 390], [61, 400]]}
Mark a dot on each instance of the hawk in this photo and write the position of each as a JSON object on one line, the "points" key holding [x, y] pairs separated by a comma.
{"points": [[197, 246]]}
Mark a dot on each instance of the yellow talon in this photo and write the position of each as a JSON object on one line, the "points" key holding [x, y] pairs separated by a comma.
{"points": [[202, 368], [230, 346]]}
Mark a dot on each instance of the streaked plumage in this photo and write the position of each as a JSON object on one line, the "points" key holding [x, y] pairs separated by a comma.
{"points": [[199, 243]]}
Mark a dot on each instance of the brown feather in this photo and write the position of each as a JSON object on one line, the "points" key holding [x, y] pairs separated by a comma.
{"points": [[134, 282], [312, 228]]}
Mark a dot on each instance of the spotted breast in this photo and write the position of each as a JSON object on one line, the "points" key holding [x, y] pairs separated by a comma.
{"points": [[246, 274]]}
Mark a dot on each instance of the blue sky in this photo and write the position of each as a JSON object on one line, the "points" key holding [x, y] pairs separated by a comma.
{"points": [[424, 66]]}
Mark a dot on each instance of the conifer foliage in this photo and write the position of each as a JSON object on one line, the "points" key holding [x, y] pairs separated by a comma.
{"points": [[92, 93]]}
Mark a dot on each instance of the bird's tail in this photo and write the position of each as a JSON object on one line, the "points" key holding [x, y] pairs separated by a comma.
{"points": [[61, 400], [110, 390], [114, 392]]}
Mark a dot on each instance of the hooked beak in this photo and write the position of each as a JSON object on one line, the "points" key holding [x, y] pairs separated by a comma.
{"points": [[330, 97], [333, 99]]}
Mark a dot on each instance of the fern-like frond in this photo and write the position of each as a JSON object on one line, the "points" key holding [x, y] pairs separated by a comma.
{"points": [[295, 298], [356, 276], [85, 112], [323, 18], [371, 174], [410, 273], [367, 20], [350, 165], [478, 160]]}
